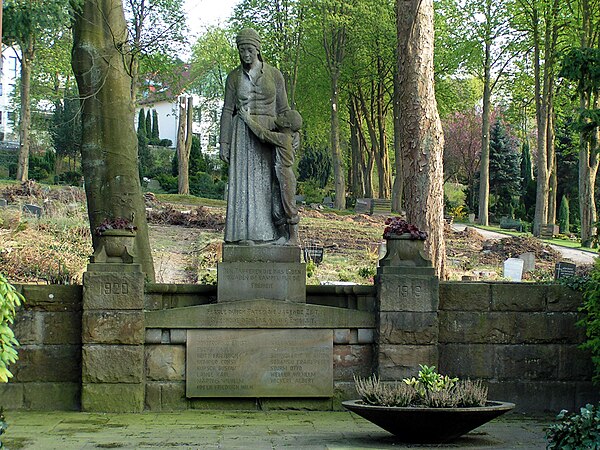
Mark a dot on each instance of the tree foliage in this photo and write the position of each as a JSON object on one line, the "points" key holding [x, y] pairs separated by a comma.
{"points": [[24, 23], [462, 150], [66, 128], [10, 300]]}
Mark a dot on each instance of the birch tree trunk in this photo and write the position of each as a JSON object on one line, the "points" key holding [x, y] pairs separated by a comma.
{"points": [[421, 140], [100, 61]]}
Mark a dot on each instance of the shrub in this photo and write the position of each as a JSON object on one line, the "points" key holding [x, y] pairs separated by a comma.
{"points": [[373, 392], [576, 431], [165, 143], [203, 185], [3, 426], [366, 272], [70, 178], [429, 389], [10, 299], [591, 318], [168, 183], [311, 191]]}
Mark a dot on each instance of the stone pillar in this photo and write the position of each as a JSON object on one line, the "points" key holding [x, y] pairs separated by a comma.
{"points": [[407, 300], [113, 335]]}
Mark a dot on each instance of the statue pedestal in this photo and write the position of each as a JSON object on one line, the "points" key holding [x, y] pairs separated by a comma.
{"points": [[255, 272]]}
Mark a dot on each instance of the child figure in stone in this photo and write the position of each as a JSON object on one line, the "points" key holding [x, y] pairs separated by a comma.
{"points": [[286, 139]]}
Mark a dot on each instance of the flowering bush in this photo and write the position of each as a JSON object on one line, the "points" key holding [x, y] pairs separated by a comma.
{"points": [[396, 226], [118, 223]]}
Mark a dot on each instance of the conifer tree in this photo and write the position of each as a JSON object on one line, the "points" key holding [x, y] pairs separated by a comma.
{"points": [[148, 125], [155, 133], [505, 169], [141, 129]]}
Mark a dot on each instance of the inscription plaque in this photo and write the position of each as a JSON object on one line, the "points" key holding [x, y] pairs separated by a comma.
{"points": [[259, 363], [564, 270], [246, 281]]}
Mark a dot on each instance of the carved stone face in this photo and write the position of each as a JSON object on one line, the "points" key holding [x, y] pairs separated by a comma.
{"points": [[248, 54]]}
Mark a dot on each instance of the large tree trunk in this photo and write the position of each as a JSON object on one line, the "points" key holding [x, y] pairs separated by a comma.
{"points": [[421, 139], [109, 142], [589, 148], [588, 169], [184, 144], [484, 163], [542, 177], [383, 159], [25, 126], [398, 187], [357, 171], [545, 203], [336, 152]]}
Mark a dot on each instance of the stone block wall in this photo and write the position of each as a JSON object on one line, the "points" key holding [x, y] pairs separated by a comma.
{"points": [[519, 337], [47, 375]]}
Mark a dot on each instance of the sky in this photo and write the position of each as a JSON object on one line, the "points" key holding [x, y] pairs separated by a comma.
{"points": [[204, 13]]}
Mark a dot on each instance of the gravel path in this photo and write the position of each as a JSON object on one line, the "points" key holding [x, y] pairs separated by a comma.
{"points": [[579, 257]]}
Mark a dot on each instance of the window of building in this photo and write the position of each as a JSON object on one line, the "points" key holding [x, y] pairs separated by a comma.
{"points": [[0, 89], [212, 140], [12, 66], [0, 117]]}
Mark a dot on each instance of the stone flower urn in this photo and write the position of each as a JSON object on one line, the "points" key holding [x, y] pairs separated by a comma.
{"points": [[404, 244], [403, 250], [115, 242]]}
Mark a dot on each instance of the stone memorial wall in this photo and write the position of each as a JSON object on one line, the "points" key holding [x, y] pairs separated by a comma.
{"points": [[520, 338]]}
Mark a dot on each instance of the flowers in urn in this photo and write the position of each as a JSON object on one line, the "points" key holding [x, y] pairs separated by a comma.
{"points": [[118, 223], [115, 241], [395, 226]]}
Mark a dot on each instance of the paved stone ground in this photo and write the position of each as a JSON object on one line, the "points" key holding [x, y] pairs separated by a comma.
{"points": [[243, 430]]}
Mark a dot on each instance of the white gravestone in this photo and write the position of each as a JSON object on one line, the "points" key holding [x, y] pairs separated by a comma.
{"points": [[513, 269]]}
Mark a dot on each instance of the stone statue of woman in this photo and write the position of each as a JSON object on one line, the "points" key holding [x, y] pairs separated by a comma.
{"points": [[258, 88]]}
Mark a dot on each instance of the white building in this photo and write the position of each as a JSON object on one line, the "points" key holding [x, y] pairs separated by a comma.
{"points": [[9, 74], [205, 118]]}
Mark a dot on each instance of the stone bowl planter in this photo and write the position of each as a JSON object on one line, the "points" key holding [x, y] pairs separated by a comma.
{"points": [[428, 425], [404, 250], [115, 246]]}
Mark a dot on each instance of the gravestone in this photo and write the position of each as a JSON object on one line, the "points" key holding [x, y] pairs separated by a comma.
{"points": [[3, 202], [314, 253], [513, 269], [363, 206], [34, 210], [328, 201], [564, 270], [528, 261]]}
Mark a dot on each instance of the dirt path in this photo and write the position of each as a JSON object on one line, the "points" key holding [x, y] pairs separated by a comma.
{"points": [[579, 257], [173, 250]]}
